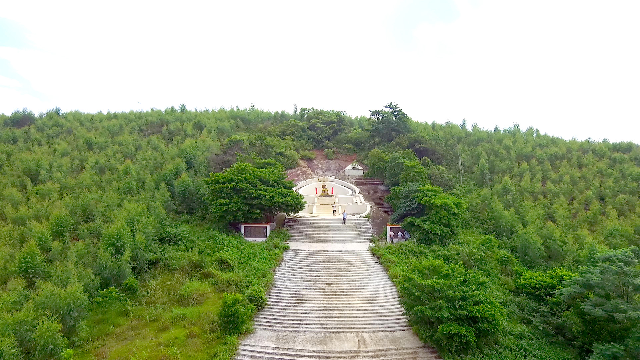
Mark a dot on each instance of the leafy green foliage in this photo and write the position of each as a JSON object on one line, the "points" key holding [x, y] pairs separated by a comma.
{"points": [[389, 123], [95, 206], [330, 154], [451, 307], [235, 314], [110, 199], [244, 193], [257, 297], [31, 264], [323, 126], [9, 348], [541, 286], [68, 305], [604, 302], [438, 216], [49, 343]]}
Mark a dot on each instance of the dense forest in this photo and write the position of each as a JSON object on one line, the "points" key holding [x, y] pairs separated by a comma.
{"points": [[115, 239]]}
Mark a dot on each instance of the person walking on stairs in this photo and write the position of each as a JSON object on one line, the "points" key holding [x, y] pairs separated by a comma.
{"points": [[344, 216]]}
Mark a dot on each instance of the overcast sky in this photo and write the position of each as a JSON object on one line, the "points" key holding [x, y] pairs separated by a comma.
{"points": [[567, 68]]}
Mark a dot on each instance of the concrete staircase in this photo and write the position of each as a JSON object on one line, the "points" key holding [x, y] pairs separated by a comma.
{"points": [[330, 230], [331, 299]]}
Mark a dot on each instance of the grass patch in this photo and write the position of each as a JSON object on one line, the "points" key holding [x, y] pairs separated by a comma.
{"points": [[176, 312]]}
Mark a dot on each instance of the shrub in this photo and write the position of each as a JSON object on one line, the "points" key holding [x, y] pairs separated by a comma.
{"points": [[442, 218], [457, 338], [41, 234], [117, 239], [30, 264], [541, 286], [173, 234], [49, 342], [111, 271], [9, 349], [235, 314], [130, 286], [15, 296], [22, 324], [223, 261], [69, 305], [257, 297], [452, 307], [330, 154], [60, 225], [307, 155], [7, 264]]}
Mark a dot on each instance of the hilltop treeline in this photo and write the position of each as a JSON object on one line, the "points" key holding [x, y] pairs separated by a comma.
{"points": [[525, 244]]}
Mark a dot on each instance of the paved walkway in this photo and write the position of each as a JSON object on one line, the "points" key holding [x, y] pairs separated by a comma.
{"points": [[332, 300]]}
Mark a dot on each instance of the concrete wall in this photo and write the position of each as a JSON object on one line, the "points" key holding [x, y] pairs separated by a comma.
{"points": [[338, 189], [355, 208], [353, 172]]}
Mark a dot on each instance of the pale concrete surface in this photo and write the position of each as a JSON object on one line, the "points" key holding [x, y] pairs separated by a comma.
{"points": [[331, 299], [328, 246]]}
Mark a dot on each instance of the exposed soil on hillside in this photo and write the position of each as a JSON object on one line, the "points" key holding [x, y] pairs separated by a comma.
{"points": [[374, 193], [320, 166]]}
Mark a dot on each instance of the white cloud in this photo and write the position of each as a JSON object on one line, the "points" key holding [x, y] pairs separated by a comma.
{"points": [[9, 83], [567, 68]]}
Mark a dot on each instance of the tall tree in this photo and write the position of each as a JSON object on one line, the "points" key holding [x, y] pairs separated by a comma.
{"points": [[389, 123], [246, 193]]}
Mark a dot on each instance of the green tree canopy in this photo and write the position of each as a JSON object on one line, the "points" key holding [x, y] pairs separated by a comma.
{"points": [[389, 123], [430, 215], [604, 300], [246, 193]]}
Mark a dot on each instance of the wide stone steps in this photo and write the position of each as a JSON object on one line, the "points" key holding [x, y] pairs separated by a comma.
{"points": [[331, 299], [326, 240], [330, 327], [272, 352]]}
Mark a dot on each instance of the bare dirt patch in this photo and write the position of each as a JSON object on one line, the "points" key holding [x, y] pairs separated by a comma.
{"points": [[320, 166]]}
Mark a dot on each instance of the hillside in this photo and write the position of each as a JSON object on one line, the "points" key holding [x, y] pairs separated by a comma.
{"points": [[525, 244]]}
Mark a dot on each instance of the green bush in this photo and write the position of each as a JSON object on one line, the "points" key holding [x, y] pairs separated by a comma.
{"points": [[9, 349], [235, 314], [173, 234], [330, 154], [60, 225], [257, 297], [604, 302], [130, 286], [111, 271], [31, 265], [49, 342], [117, 239], [223, 261], [42, 236], [22, 325], [456, 338], [451, 307], [307, 155], [68, 305], [15, 296], [541, 286]]}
